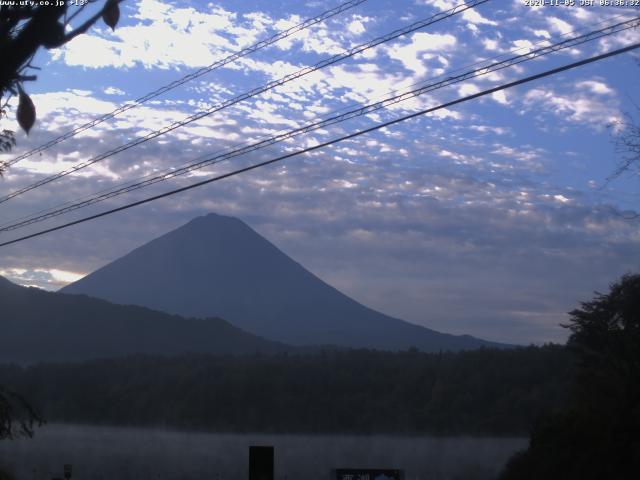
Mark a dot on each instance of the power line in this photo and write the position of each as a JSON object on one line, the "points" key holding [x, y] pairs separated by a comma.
{"points": [[489, 91], [256, 91], [192, 76], [167, 172], [364, 110]]}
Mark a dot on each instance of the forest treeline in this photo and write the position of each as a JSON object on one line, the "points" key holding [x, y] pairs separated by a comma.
{"points": [[482, 392]]}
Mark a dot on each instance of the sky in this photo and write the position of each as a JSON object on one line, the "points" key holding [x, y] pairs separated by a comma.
{"points": [[493, 218]]}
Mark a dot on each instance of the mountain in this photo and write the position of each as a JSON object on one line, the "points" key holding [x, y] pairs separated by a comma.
{"points": [[36, 325], [218, 266]]}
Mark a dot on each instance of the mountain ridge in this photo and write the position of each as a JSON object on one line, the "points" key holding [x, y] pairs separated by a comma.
{"points": [[38, 325], [218, 266]]}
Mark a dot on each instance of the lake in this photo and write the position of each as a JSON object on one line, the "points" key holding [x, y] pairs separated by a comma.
{"points": [[146, 454]]}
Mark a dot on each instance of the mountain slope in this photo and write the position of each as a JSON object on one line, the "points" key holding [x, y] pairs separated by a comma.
{"points": [[36, 325], [217, 265]]}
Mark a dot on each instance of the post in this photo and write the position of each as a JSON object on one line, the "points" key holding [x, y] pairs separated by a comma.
{"points": [[261, 463]]}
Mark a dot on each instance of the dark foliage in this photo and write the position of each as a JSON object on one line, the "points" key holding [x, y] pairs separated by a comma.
{"points": [[628, 145], [5, 474], [26, 27], [7, 140], [477, 392], [599, 436], [17, 416]]}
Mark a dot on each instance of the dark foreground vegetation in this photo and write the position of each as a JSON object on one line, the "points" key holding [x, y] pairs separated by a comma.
{"points": [[598, 435], [483, 392]]}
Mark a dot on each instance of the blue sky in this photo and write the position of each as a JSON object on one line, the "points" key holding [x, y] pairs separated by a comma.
{"points": [[493, 218]]}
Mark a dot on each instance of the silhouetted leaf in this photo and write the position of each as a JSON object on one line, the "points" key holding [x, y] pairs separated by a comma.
{"points": [[111, 14], [53, 35], [26, 114]]}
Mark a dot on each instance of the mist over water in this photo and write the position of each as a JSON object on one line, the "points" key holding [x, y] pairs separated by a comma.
{"points": [[128, 453]]}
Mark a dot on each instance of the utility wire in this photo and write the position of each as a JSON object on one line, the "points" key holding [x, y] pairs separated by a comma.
{"points": [[256, 91], [168, 170], [192, 76], [364, 110], [489, 91], [168, 173]]}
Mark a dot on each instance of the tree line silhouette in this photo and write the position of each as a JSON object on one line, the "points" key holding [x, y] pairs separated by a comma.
{"points": [[492, 392]]}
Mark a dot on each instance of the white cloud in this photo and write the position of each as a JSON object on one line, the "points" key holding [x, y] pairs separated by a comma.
{"points": [[542, 33], [523, 45], [63, 276], [318, 39], [472, 15], [61, 110], [114, 91], [559, 26], [414, 54], [490, 44], [489, 128], [581, 108], [94, 52], [45, 278], [468, 89], [500, 97], [356, 27], [596, 87], [522, 154], [165, 36]]}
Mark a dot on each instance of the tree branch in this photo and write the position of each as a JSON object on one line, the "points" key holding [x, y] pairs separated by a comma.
{"points": [[17, 416], [89, 22], [75, 14]]}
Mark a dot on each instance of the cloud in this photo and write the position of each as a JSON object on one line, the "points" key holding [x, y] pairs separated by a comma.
{"points": [[559, 26], [114, 91], [490, 44], [468, 89], [165, 36], [500, 97], [596, 87], [592, 105], [357, 25], [51, 279], [472, 16], [489, 128], [413, 55]]}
